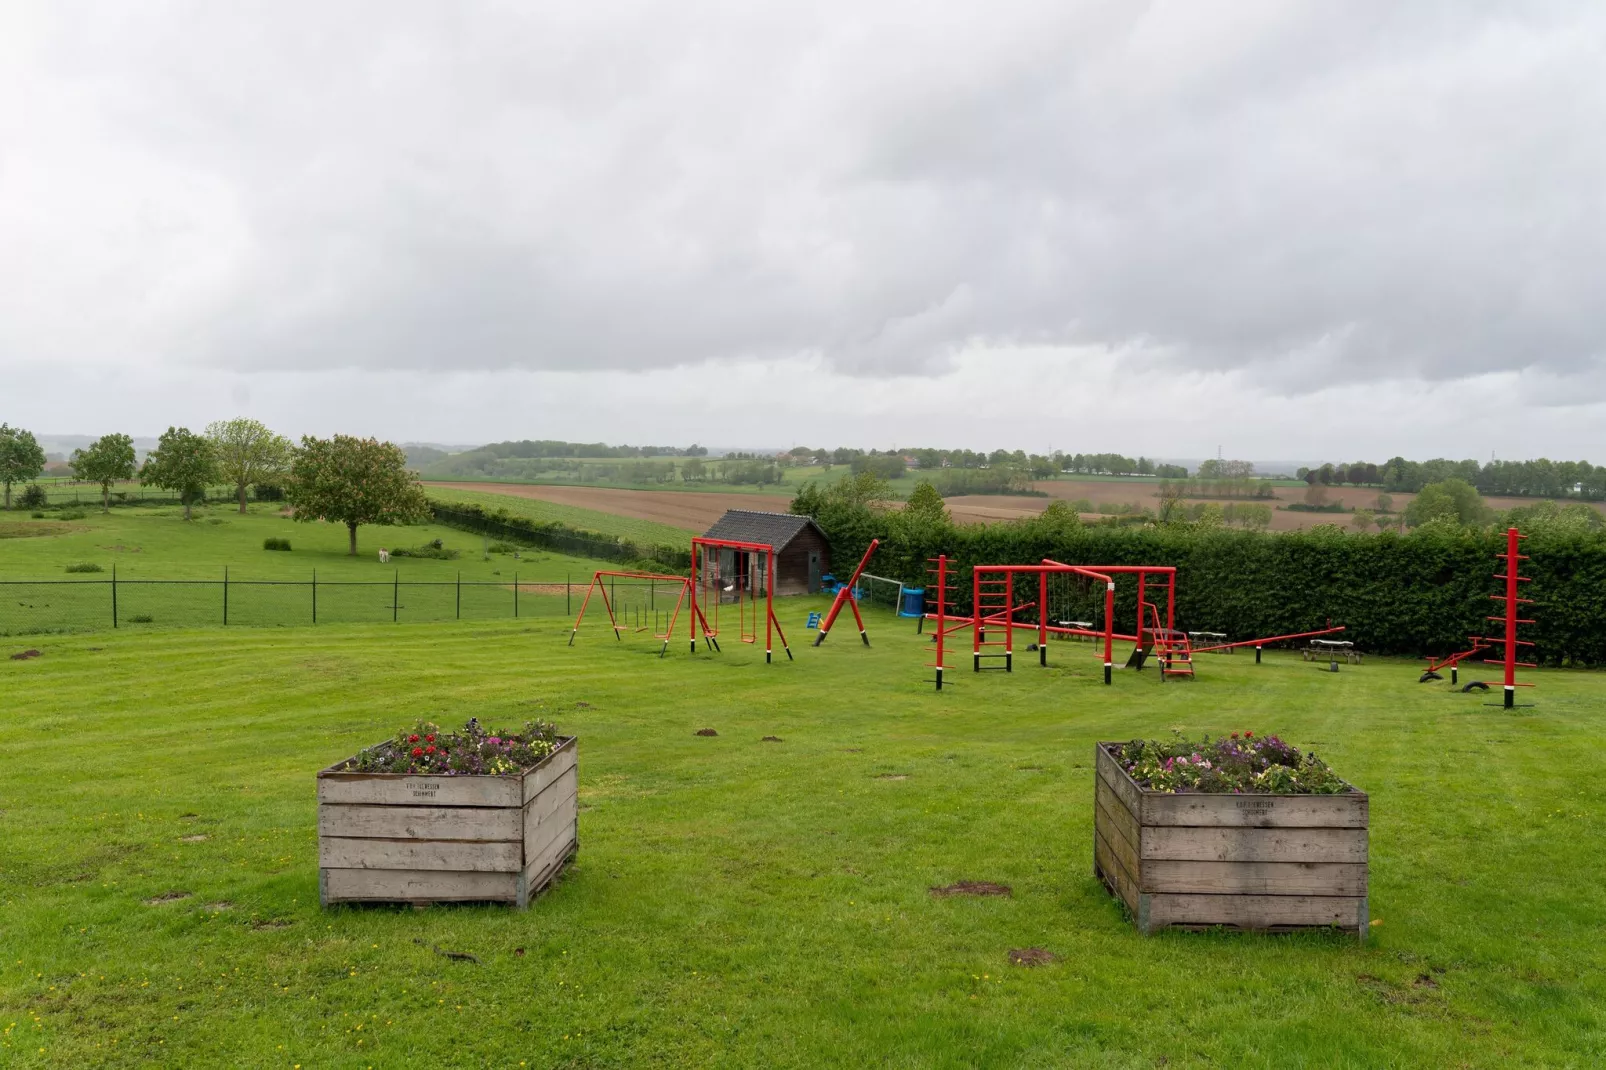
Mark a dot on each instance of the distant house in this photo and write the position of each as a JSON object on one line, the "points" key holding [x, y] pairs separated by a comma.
{"points": [[802, 555]]}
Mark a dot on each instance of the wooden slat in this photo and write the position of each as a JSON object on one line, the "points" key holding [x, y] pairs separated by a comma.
{"points": [[1253, 878], [1255, 811], [551, 817], [1256, 911], [1111, 821], [1253, 844], [1110, 771], [560, 761], [398, 885], [421, 822], [1115, 873], [395, 789], [538, 873], [336, 852]]}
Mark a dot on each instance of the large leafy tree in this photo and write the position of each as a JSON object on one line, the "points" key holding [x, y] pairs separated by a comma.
{"points": [[21, 459], [107, 460], [184, 462], [248, 453], [1450, 500], [354, 481]]}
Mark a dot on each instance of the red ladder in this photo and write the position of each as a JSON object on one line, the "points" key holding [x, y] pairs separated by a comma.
{"points": [[1172, 647]]}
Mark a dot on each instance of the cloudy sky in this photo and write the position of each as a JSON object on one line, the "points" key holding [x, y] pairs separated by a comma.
{"points": [[1290, 230]]}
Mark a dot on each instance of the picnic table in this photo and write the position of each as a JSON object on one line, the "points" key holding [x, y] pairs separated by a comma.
{"points": [[1332, 650], [1210, 639], [1085, 625]]}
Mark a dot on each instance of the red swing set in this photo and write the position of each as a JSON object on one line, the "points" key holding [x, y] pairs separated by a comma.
{"points": [[739, 569]]}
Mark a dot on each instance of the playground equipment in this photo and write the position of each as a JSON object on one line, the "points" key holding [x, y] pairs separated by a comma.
{"points": [[739, 569], [994, 608], [601, 585], [1507, 642], [845, 594]]}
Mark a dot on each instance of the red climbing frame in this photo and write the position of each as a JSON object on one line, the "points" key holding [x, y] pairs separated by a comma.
{"points": [[743, 581], [1510, 640], [845, 594], [601, 588]]}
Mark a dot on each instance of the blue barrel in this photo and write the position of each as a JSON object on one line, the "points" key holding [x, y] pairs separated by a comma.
{"points": [[914, 602]]}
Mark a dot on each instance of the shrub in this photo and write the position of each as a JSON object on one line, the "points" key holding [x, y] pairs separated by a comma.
{"points": [[433, 549], [33, 496], [502, 548], [72, 514], [139, 618], [37, 515], [85, 566], [275, 544]]}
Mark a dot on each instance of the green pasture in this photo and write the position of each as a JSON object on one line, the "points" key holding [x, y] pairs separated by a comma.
{"points": [[641, 532], [738, 902]]}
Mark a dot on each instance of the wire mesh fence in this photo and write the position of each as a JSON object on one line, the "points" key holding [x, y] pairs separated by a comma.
{"points": [[44, 606]]}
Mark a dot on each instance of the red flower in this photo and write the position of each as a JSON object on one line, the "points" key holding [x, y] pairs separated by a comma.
{"points": [[413, 738], [429, 750], [418, 751], [429, 739], [1249, 735], [1235, 735]]}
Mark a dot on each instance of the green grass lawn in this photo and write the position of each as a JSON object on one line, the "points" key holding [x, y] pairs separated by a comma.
{"points": [[641, 532], [746, 903]]}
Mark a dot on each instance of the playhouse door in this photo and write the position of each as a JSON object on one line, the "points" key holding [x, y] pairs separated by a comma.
{"points": [[814, 573]]}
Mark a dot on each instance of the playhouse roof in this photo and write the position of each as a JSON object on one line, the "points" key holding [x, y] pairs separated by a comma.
{"points": [[769, 529]]}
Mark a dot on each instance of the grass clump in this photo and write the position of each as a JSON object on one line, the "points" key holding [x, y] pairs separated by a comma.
{"points": [[275, 544], [435, 549], [85, 566]]}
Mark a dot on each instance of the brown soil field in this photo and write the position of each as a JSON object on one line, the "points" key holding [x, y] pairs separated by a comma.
{"points": [[694, 510], [697, 510]]}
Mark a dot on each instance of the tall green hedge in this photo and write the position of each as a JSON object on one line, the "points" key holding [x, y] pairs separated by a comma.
{"points": [[1421, 593]]}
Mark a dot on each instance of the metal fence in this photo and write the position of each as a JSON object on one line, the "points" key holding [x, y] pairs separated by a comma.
{"points": [[43, 606]]}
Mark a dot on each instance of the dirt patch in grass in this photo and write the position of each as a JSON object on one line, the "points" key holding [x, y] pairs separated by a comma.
{"points": [[892, 776], [22, 529], [771, 739], [25, 655], [705, 732], [166, 897], [977, 888], [199, 837], [1032, 956], [219, 907], [271, 923]]}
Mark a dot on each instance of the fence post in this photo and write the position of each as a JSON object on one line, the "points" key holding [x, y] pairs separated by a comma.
{"points": [[114, 596], [225, 596], [568, 596], [315, 596], [395, 598], [459, 594], [515, 594]]}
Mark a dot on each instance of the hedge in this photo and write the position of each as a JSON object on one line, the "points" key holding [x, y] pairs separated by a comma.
{"points": [[553, 535], [1413, 594]]}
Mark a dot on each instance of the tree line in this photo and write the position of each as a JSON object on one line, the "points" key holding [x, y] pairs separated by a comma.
{"points": [[343, 479], [1538, 478]]}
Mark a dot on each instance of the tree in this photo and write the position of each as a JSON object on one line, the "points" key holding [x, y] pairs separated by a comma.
{"points": [[107, 460], [247, 453], [1385, 503], [1362, 519], [1452, 500], [184, 462], [354, 481], [925, 505], [21, 459]]}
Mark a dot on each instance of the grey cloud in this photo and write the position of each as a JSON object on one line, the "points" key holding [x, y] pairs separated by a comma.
{"points": [[1303, 190]]}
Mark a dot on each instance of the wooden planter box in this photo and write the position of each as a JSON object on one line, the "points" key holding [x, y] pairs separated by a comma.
{"points": [[1270, 862], [392, 837]]}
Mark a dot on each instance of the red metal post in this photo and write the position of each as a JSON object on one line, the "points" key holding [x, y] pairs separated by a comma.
{"points": [[1109, 627], [1042, 618], [845, 594]]}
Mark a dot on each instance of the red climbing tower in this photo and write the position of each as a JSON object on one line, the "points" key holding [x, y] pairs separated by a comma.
{"points": [[1511, 557]]}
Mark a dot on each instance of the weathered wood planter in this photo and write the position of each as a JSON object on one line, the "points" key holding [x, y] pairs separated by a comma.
{"points": [[1272, 862], [392, 837]]}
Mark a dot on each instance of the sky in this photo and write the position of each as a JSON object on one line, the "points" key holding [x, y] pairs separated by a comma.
{"points": [[1294, 230]]}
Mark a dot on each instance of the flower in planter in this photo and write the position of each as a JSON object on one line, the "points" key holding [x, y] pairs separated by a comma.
{"points": [[471, 751], [1236, 765]]}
